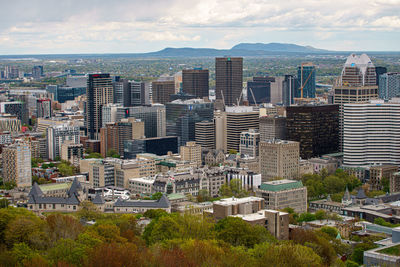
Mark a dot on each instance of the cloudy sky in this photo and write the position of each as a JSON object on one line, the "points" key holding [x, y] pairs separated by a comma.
{"points": [[118, 26]]}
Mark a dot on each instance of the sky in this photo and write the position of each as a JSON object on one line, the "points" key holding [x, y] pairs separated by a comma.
{"points": [[136, 26]]}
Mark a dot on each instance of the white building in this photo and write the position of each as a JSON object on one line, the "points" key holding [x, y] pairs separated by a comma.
{"points": [[57, 135], [372, 133]]}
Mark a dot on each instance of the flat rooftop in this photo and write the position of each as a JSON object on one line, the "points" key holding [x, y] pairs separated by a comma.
{"points": [[235, 201], [281, 185], [54, 186]]}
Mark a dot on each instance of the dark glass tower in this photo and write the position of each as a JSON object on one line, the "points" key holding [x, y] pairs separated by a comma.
{"points": [[306, 77], [259, 90], [195, 82], [228, 79]]}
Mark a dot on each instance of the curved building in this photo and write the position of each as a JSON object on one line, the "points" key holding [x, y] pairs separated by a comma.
{"points": [[371, 133]]}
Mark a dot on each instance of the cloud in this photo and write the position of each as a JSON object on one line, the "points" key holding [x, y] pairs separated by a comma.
{"points": [[137, 26]]}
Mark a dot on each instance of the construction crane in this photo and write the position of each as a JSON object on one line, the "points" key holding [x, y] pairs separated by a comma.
{"points": [[254, 99], [302, 85]]}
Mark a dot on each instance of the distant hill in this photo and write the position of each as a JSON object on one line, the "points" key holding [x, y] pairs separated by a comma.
{"points": [[276, 47]]}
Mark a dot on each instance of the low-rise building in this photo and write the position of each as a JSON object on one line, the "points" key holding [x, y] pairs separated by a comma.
{"points": [[282, 194], [141, 186], [377, 173], [141, 206], [213, 157], [249, 180]]}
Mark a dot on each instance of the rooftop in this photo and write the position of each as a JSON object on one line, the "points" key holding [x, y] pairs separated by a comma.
{"points": [[54, 186], [235, 201], [281, 185]]}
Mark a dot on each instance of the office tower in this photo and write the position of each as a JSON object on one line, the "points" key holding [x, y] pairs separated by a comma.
{"points": [[229, 79], [371, 133], [17, 108], [162, 90], [379, 71], [72, 153], [389, 85], [249, 143], [316, 127], [99, 92], [37, 72], [195, 82], [272, 127], [356, 84], [205, 134], [236, 120], [65, 93], [43, 108], [109, 113], [156, 145], [113, 135], [191, 152], [57, 135], [277, 90], [121, 91], [283, 194], [259, 90], [279, 158], [182, 116], [139, 93], [17, 164], [152, 116], [306, 77], [289, 89]]}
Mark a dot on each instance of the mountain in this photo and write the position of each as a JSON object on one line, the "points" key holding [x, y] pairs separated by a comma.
{"points": [[276, 47]]}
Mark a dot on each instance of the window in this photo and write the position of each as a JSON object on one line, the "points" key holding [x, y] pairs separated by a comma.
{"points": [[74, 207]]}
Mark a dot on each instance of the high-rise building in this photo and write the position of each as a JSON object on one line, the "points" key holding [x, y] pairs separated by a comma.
{"points": [[99, 92], [371, 133], [229, 79], [121, 91], [195, 82], [191, 152], [205, 134], [316, 127], [356, 84], [389, 85], [272, 127], [289, 89], [279, 158], [17, 164], [109, 113], [57, 135], [139, 93], [259, 90], [72, 153], [232, 123], [379, 71], [249, 143], [37, 72], [65, 93], [152, 116], [16, 108], [156, 145], [43, 108], [306, 78], [162, 90], [277, 90], [182, 116]]}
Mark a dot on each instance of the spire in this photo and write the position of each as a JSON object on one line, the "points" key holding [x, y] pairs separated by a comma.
{"points": [[36, 191], [346, 196]]}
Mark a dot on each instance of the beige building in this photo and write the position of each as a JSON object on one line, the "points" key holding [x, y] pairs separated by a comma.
{"points": [[213, 157], [377, 173], [282, 194], [205, 134], [279, 158], [249, 143], [72, 153], [191, 152], [272, 127], [394, 182], [17, 164]]}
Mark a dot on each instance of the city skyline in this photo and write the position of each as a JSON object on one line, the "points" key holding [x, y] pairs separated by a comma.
{"points": [[47, 27]]}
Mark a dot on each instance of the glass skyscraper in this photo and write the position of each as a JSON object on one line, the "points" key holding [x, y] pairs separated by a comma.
{"points": [[306, 77]]}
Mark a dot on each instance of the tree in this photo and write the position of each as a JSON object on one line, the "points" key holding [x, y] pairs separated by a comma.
{"points": [[234, 188], [156, 196], [358, 252], [155, 213], [65, 168], [4, 203], [233, 151], [320, 214], [203, 195], [67, 251], [62, 226], [113, 153], [385, 184], [94, 156], [330, 231], [88, 211]]}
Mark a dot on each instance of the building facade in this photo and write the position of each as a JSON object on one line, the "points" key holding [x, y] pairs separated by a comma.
{"points": [[272, 127], [17, 164], [249, 143], [57, 135], [389, 85], [162, 91], [195, 82], [229, 79]]}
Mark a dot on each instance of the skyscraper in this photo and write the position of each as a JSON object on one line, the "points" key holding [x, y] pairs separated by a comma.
{"points": [[272, 127], [121, 91], [57, 135], [205, 134], [43, 108], [17, 164], [229, 79], [195, 82], [99, 92], [162, 90], [379, 71], [37, 72], [306, 77], [289, 89], [389, 85], [182, 116], [259, 90]]}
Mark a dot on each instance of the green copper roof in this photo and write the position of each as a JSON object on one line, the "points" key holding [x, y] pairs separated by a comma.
{"points": [[281, 185], [175, 196], [54, 186], [166, 163]]}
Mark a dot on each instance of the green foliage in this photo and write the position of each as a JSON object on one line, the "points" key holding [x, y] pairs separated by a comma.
{"points": [[66, 168], [94, 155], [320, 215], [382, 222], [237, 232], [203, 195], [67, 251], [350, 263], [4, 203], [232, 151], [306, 217], [88, 211], [154, 213], [156, 196], [374, 193], [8, 185], [358, 252], [330, 231], [234, 188], [113, 153], [385, 184]]}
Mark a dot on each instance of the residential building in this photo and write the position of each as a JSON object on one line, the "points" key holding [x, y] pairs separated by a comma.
{"points": [[316, 127], [153, 117], [229, 79], [389, 85], [249, 143], [37, 72], [57, 135], [279, 158], [10, 124], [205, 134], [191, 152], [72, 153], [195, 82], [16, 108], [281, 194], [99, 92], [162, 90], [394, 182], [183, 115], [371, 134], [101, 173], [17, 164], [43, 108], [378, 173], [109, 114], [272, 127]]}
